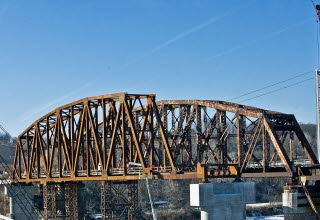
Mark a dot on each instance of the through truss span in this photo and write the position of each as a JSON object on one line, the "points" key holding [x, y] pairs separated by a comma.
{"points": [[129, 136]]}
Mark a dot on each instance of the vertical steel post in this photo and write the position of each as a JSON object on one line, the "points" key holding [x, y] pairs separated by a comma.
{"points": [[241, 130], [291, 145], [199, 132], [219, 134], [188, 135], [165, 129], [317, 72], [223, 126]]}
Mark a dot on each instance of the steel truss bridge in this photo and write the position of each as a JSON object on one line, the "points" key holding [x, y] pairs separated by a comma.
{"points": [[98, 138]]}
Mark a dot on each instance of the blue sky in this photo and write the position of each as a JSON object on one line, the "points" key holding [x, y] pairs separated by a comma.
{"points": [[55, 52]]}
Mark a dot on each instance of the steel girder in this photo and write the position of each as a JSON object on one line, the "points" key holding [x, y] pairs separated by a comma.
{"points": [[97, 138]]}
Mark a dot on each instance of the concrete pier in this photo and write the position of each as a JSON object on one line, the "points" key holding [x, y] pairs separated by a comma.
{"points": [[295, 204], [21, 198], [222, 201]]}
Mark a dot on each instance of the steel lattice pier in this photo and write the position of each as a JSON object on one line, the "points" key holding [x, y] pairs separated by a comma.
{"points": [[119, 200]]}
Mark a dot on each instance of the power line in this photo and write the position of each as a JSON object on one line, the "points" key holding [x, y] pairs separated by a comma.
{"points": [[276, 90], [186, 33], [272, 85]]}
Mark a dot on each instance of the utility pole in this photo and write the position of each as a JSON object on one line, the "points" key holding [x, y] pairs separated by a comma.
{"points": [[317, 72]]}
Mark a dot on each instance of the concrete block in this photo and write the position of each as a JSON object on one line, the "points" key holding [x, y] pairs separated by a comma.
{"points": [[194, 195], [201, 194], [222, 200], [290, 202]]}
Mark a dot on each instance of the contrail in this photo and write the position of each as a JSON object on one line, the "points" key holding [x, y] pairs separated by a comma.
{"points": [[54, 102], [259, 39], [184, 34]]}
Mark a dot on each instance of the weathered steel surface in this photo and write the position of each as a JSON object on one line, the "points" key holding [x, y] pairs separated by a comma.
{"points": [[96, 138]]}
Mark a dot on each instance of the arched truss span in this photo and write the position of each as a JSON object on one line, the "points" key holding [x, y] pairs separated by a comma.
{"points": [[124, 136]]}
